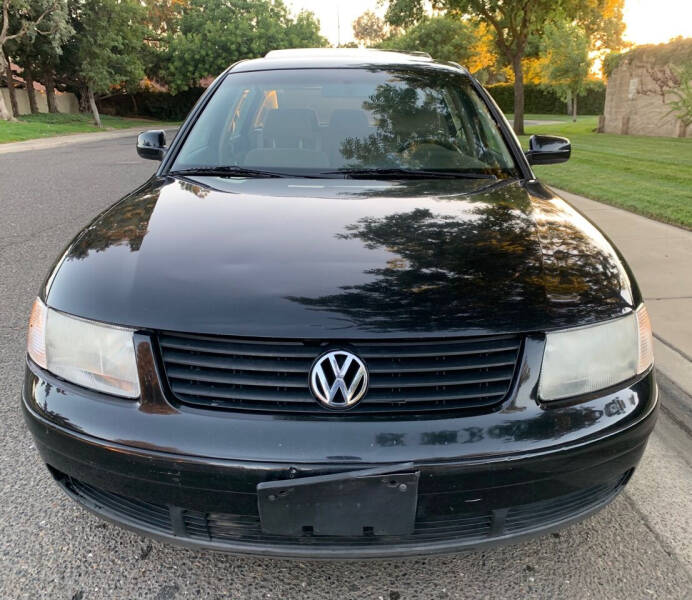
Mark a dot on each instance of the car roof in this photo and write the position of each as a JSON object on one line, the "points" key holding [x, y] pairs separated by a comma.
{"points": [[315, 58]]}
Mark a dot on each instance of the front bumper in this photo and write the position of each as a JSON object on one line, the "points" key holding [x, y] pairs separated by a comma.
{"points": [[190, 476]]}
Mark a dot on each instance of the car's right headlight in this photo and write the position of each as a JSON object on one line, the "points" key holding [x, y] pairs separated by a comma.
{"points": [[587, 359], [90, 354]]}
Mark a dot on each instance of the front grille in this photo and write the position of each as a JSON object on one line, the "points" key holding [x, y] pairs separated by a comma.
{"points": [[238, 529], [137, 512], [529, 516], [452, 374], [229, 528]]}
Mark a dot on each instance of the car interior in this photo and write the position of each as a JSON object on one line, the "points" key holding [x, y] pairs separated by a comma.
{"points": [[332, 126]]}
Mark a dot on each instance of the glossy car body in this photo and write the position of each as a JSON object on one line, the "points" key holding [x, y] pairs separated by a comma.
{"points": [[339, 262]]}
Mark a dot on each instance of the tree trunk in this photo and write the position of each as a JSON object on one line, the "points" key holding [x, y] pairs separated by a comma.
{"points": [[49, 83], [568, 103], [574, 108], [10, 86], [30, 91], [94, 109], [83, 99], [518, 95]]}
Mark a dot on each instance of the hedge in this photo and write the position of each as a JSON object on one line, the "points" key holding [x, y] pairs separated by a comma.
{"points": [[539, 99], [157, 105]]}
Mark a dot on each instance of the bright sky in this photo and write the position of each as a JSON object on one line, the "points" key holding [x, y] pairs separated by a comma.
{"points": [[648, 21], [656, 21]]}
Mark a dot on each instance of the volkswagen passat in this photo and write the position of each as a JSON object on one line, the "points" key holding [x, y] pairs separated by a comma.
{"points": [[343, 319]]}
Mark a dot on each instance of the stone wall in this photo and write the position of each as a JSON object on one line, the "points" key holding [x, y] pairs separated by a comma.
{"points": [[67, 102], [636, 102]]}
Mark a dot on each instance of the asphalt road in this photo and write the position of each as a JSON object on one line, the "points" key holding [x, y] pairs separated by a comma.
{"points": [[638, 547]]}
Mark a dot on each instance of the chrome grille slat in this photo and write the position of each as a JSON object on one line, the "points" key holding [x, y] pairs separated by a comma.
{"points": [[429, 350], [295, 350], [405, 376]]}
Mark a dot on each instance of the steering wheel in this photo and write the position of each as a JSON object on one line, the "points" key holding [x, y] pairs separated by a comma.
{"points": [[447, 145]]}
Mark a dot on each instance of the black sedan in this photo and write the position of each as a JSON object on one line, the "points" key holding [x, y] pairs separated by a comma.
{"points": [[343, 319]]}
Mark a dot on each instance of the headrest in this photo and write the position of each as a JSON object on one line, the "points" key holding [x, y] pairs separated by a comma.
{"points": [[345, 118], [298, 122]]}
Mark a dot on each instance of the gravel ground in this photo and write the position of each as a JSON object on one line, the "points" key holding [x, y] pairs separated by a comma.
{"points": [[638, 547]]}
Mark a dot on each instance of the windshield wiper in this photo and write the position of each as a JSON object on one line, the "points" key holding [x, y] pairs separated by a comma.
{"points": [[228, 171], [408, 173]]}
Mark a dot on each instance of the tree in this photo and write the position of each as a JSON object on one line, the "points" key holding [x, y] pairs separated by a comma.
{"points": [[106, 49], [39, 54], [21, 18], [234, 29], [566, 62], [515, 21], [369, 29], [443, 37], [681, 105]]}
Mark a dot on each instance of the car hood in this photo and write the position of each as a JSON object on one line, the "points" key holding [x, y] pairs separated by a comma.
{"points": [[339, 259]]}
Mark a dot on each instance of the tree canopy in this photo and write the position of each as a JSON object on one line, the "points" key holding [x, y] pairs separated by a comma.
{"points": [[98, 47], [369, 29], [21, 23], [514, 22], [443, 37], [215, 33]]}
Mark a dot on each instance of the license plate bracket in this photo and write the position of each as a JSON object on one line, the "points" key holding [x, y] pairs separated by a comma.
{"points": [[356, 503]]}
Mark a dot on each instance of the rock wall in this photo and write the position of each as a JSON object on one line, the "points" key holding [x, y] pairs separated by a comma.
{"points": [[636, 102]]}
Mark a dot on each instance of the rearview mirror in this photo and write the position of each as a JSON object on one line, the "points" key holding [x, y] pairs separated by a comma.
{"points": [[548, 150], [152, 144]]}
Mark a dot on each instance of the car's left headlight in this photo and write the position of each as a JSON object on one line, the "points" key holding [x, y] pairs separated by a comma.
{"points": [[94, 355], [587, 359]]}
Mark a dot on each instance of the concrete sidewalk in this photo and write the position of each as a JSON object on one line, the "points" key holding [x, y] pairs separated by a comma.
{"points": [[661, 257]]}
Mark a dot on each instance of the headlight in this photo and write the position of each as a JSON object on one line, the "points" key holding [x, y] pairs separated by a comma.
{"points": [[94, 355], [585, 359]]}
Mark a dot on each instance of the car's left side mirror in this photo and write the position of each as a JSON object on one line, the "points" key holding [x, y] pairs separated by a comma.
{"points": [[548, 150], [152, 144]]}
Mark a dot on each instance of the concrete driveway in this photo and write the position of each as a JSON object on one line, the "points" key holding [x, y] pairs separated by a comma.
{"points": [[640, 547]]}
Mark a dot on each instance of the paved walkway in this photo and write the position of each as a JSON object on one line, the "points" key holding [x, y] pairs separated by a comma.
{"points": [[661, 257], [541, 122]]}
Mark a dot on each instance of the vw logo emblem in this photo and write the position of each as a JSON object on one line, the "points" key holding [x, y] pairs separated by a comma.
{"points": [[338, 379]]}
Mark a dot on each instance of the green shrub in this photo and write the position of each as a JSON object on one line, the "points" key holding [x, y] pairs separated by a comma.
{"points": [[157, 105], [540, 99]]}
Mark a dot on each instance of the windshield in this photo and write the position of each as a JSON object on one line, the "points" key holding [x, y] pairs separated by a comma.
{"points": [[333, 121]]}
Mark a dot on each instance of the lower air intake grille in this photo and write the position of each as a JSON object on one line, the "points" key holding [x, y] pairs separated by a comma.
{"points": [[421, 376], [234, 530]]}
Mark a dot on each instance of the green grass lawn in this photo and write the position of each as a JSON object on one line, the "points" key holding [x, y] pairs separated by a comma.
{"points": [[651, 176], [48, 125]]}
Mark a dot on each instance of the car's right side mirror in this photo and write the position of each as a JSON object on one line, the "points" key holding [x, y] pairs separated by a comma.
{"points": [[152, 144], [548, 150]]}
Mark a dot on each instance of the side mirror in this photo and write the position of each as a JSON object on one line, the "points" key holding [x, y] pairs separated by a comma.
{"points": [[152, 144], [548, 150]]}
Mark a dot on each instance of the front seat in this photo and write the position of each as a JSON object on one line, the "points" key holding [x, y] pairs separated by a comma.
{"points": [[290, 138], [291, 128]]}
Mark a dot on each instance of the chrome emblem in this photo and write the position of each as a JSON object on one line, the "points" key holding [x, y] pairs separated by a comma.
{"points": [[338, 379]]}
